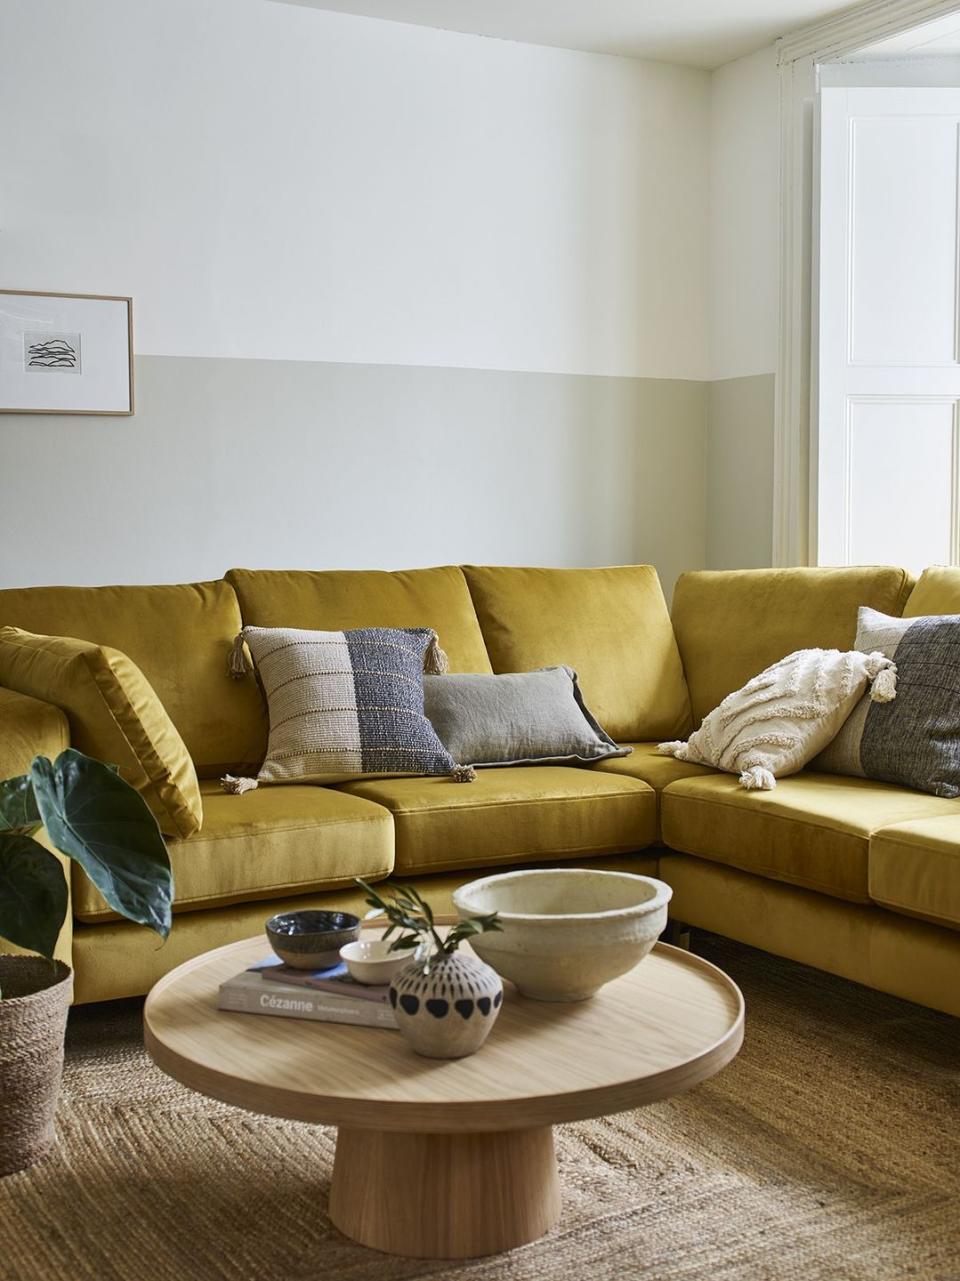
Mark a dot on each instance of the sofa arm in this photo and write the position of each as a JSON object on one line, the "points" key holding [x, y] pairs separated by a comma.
{"points": [[30, 728]]}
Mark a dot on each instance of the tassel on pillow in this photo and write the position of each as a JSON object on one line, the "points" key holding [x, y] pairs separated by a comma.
{"points": [[883, 677], [435, 661], [757, 779], [237, 786], [238, 665]]}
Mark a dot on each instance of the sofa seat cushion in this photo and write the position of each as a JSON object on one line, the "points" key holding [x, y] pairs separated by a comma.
{"points": [[180, 636], [273, 842], [647, 763], [812, 830], [610, 625], [915, 868], [341, 600], [521, 814]]}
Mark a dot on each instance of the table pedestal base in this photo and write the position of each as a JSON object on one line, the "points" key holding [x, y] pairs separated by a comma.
{"points": [[445, 1196]]}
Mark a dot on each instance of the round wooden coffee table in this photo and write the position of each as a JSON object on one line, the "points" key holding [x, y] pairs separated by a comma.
{"points": [[450, 1158]]}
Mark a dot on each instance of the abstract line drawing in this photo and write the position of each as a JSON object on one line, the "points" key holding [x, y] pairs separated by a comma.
{"points": [[52, 352], [55, 352]]}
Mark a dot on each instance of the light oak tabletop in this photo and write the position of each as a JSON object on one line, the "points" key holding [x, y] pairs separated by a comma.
{"points": [[670, 1023]]}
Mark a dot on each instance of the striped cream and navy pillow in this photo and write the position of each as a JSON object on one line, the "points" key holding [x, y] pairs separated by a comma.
{"points": [[915, 739], [343, 705]]}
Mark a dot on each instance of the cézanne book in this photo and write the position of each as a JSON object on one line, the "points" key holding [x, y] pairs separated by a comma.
{"points": [[250, 993]]}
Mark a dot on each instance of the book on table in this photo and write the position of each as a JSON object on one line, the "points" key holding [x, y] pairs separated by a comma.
{"points": [[327, 996]]}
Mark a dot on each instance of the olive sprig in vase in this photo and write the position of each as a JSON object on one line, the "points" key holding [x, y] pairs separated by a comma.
{"points": [[445, 1001]]}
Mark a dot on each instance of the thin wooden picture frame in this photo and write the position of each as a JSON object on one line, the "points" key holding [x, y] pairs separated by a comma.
{"points": [[97, 413]]}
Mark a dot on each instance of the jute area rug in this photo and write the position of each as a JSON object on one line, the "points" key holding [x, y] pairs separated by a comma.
{"points": [[829, 1149]]}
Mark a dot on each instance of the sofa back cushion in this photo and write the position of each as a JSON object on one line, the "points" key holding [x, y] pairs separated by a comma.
{"points": [[180, 637], [937, 592], [610, 625], [347, 599], [732, 624]]}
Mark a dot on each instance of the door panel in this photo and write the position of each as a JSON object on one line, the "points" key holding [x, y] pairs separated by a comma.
{"points": [[902, 496], [888, 373], [903, 176]]}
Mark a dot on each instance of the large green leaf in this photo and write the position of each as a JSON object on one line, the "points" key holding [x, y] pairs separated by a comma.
{"points": [[95, 817], [33, 894], [18, 805]]}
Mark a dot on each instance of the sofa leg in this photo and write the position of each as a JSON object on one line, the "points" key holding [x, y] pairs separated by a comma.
{"points": [[677, 933]]}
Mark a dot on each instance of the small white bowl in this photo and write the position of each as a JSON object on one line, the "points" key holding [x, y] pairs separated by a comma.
{"points": [[371, 961]]}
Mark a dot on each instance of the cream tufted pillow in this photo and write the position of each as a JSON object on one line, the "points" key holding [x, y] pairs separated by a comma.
{"points": [[782, 718]]}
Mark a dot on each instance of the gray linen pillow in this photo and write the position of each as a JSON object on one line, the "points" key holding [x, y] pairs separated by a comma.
{"points": [[915, 739], [518, 718]]}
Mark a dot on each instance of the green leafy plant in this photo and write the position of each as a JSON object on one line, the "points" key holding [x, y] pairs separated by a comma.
{"points": [[411, 918], [98, 820]]}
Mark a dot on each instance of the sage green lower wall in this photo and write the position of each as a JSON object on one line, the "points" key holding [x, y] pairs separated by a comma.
{"points": [[288, 463], [740, 473]]}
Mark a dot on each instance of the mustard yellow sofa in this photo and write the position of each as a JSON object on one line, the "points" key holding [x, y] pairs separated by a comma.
{"points": [[859, 878]]}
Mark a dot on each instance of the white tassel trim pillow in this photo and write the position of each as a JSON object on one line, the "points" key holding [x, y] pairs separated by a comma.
{"points": [[782, 718]]}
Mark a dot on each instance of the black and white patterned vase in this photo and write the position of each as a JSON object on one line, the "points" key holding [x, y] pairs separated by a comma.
{"points": [[447, 1009]]}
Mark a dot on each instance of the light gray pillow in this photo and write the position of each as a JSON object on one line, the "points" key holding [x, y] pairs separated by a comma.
{"points": [[518, 718]]}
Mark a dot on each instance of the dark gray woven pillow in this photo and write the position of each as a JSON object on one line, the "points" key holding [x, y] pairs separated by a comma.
{"points": [[519, 718], [915, 739]]}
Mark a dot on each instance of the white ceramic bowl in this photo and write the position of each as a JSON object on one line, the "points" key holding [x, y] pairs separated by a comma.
{"points": [[566, 931], [371, 961]]}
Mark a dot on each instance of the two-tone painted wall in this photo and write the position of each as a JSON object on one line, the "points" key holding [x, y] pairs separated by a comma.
{"points": [[401, 296]]}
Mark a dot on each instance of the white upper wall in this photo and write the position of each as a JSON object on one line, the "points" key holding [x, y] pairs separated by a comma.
{"points": [[743, 222], [280, 182]]}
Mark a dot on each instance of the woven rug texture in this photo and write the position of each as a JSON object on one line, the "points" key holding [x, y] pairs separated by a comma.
{"points": [[829, 1150]]}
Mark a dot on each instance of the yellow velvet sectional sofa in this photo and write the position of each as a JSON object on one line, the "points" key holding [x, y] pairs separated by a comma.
{"points": [[859, 878]]}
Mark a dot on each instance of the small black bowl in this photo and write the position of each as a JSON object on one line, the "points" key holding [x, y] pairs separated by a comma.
{"points": [[311, 940]]}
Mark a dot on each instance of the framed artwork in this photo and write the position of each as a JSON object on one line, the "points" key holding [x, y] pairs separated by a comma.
{"points": [[65, 353]]}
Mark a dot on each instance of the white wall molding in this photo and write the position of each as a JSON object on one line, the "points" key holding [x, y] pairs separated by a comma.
{"points": [[792, 445], [794, 496], [837, 36]]}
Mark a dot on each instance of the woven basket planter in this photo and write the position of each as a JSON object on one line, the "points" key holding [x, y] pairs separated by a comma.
{"points": [[33, 1020]]}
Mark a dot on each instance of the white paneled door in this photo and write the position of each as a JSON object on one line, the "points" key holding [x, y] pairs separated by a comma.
{"points": [[888, 431]]}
